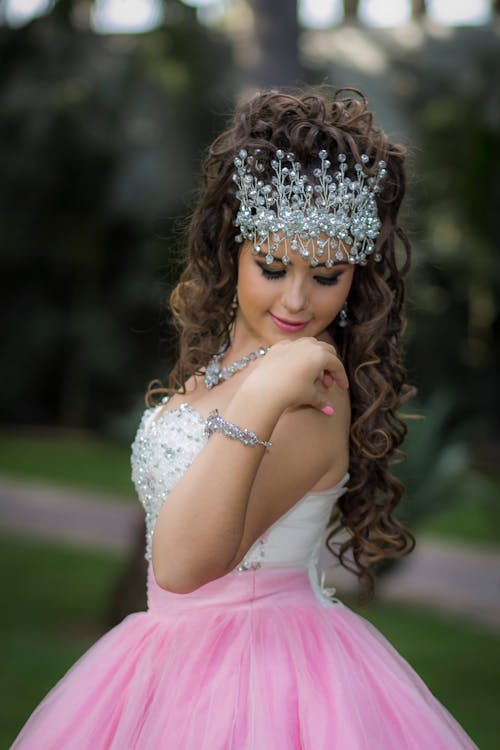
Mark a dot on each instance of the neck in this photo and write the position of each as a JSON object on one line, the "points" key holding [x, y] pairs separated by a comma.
{"points": [[244, 341]]}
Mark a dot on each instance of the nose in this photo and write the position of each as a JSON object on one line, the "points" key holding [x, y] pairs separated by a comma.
{"points": [[294, 297]]}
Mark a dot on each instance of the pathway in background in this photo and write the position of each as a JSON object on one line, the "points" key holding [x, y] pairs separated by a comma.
{"points": [[77, 516], [462, 580]]}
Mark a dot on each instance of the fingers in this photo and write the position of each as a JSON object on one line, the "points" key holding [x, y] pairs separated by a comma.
{"points": [[334, 371], [314, 367], [340, 377], [327, 379], [335, 374], [323, 403]]}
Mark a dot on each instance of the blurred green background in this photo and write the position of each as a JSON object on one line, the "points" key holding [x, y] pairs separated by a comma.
{"points": [[101, 134]]}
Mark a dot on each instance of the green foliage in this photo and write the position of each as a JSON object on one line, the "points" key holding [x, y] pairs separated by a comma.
{"points": [[473, 516], [99, 142], [453, 294], [437, 459], [445, 492]]}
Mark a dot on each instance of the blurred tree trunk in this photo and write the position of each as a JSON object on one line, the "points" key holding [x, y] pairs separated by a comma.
{"points": [[63, 11], [418, 9], [351, 11], [276, 38], [129, 594]]}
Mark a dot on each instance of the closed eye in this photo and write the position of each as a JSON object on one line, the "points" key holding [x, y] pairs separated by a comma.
{"points": [[268, 274], [323, 280], [329, 280]]}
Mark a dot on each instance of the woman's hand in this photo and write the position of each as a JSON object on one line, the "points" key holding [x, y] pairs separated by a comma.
{"points": [[300, 373]]}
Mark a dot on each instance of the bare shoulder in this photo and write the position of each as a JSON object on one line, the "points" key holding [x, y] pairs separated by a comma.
{"points": [[308, 435]]}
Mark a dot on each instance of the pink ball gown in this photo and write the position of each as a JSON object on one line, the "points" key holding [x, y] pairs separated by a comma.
{"points": [[263, 658]]}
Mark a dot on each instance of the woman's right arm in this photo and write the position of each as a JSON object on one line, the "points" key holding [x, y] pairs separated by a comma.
{"points": [[200, 529]]}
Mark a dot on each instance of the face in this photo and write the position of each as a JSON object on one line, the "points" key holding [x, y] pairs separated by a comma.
{"points": [[288, 301]]}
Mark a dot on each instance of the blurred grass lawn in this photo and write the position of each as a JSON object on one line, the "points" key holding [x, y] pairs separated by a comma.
{"points": [[55, 597], [104, 465], [53, 600], [86, 463]]}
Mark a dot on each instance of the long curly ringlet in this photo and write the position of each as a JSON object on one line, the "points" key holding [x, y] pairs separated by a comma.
{"points": [[370, 347]]}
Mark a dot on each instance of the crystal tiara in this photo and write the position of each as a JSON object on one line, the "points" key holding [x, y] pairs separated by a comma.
{"points": [[334, 218]]}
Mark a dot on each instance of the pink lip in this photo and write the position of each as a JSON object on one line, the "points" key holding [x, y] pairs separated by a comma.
{"points": [[289, 325]]}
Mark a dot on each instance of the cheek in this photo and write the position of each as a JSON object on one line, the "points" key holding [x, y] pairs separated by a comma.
{"points": [[335, 297], [331, 310], [341, 291], [252, 290]]}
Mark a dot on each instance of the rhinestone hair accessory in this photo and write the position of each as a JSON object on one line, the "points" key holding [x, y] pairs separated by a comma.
{"points": [[336, 217]]}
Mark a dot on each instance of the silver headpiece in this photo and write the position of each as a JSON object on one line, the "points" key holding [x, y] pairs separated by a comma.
{"points": [[335, 217]]}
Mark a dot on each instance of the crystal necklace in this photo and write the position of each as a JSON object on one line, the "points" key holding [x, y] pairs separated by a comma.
{"points": [[215, 374]]}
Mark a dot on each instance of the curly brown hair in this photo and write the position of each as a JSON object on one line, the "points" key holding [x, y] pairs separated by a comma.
{"points": [[370, 347]]}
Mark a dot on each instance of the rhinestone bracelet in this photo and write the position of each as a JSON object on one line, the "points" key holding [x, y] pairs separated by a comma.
{"points": [[215, 422]]}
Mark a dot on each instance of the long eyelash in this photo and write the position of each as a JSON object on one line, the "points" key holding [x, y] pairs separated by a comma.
{"points": [[328, 280], [271, 274], [324, 280]]}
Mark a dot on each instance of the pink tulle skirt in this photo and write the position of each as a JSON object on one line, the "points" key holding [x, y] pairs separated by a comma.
{"points": [[251, 661]]}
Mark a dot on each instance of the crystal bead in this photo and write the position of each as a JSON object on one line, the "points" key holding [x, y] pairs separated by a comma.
{"points": [[255, 556]]}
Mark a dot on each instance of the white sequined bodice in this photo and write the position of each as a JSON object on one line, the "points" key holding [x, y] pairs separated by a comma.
{"points": [[165, 446]]}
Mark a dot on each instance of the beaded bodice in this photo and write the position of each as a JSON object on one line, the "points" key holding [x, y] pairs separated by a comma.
{"points": [[165, 446]]}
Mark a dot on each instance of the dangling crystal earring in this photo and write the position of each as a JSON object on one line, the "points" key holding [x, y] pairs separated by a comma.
{"points": [[232, 319], [343, 319]]}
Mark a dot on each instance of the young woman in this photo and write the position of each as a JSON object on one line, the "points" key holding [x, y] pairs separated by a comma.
{"points": [[282, 414]]}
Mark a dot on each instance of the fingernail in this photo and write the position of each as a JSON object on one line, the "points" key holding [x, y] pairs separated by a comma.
{"points": [[328, 410]]}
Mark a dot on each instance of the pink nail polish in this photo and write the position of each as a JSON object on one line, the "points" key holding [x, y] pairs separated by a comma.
{"points": [[328, 410]]}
